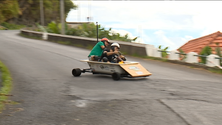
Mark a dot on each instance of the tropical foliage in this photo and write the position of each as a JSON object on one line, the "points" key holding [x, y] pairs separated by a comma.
{"points": [[218, 52], [182, 54], [27, 12], [8, 9], [88, 30], [163, 51], [6, 26], [205, 52]]}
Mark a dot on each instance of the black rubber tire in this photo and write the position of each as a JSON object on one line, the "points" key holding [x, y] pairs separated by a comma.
{"points": [[116, 76], [76, 72]]}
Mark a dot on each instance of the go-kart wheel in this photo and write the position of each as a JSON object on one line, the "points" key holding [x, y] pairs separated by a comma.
{"points": [[76, 72], [116, 76]]}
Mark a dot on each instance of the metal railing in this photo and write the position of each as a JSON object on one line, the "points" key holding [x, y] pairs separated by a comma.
{"points": [[220, 58], [182, 53]]}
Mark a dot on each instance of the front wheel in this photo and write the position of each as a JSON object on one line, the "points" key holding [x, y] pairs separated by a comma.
{"points": [[116, 76], [76, 72]]}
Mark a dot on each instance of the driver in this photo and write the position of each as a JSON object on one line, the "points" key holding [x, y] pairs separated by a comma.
{"points": [[113, 55]]}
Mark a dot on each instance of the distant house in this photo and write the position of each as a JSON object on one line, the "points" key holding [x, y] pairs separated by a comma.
{"points": [[75, 24], [196, 45]]}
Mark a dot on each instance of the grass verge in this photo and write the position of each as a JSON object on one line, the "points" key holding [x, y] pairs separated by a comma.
{"points": [[6, 85], [216, 70]]}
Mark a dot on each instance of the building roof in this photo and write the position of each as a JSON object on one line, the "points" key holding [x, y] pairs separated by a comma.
{"points": [[196, 45], [75, 24]]}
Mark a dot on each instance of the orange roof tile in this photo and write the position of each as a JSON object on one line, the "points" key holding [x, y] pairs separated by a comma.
{"points": [[196, 45]]}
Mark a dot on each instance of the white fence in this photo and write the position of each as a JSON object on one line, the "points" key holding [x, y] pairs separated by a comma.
{"points": [[191, 57]]}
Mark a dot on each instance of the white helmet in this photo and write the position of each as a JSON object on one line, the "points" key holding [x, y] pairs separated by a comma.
{"points": [[116, 44]]}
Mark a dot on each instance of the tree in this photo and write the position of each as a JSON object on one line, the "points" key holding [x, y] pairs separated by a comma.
{"points": [[27, 12], [8, 10]]}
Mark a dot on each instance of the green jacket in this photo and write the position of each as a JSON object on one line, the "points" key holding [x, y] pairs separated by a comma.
{"points": [[97, 50]]}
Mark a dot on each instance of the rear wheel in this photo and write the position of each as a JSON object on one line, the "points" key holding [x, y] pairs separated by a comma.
{"points": [[76, 72], [116, 76]]}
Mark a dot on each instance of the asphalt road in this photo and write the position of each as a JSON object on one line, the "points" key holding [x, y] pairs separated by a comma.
{"points": [[48, 94]]}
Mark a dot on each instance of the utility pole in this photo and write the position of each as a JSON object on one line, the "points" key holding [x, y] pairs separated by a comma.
{"points": [[41, 13], [62, 17]]}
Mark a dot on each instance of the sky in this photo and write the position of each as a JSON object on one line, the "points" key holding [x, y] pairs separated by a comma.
{"points": [[166, 23]]}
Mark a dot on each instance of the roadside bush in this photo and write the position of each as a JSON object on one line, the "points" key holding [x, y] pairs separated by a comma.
{"points": [[53, 27], [164, 51], [11, 26], [205, 51], [218, 52], [182, 55]]}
